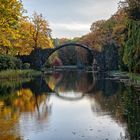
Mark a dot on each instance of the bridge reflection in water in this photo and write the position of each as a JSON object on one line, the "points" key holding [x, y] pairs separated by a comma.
{"points": [[68, 105]]}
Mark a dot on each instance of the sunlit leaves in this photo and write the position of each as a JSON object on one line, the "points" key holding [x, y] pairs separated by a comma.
{"points": [[10, 13], [18, 34], [40, 32]]}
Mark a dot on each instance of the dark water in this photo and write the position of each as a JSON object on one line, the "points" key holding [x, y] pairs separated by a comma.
{"points": [[68, 106]]}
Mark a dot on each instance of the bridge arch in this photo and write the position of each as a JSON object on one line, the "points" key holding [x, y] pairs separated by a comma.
{"points": [[71, 44], [38, 57]]}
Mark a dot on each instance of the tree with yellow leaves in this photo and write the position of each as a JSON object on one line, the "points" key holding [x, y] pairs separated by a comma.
{"points": [[18, 34], [10, 13], [40, 31]]}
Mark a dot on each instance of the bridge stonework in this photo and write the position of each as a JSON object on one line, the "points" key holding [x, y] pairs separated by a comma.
{"points": [[39, 56]]}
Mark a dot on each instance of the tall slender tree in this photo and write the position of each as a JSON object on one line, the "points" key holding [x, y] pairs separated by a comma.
{"points": [[40, 31]]}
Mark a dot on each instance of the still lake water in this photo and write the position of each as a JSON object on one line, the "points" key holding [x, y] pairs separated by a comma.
{"points": [[68, 106]]}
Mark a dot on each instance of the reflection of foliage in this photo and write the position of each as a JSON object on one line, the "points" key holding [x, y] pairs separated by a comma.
{"points": [[109, 99], [112, 99], [10, 137], [108, 87], [77, 81], [23, 101], [53, 80], [123, 106], [131, 106], [9, 87], [19, 74], [17, 101]]}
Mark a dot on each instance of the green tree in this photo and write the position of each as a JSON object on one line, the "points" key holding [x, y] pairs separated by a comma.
{"points": [[131, 55]]}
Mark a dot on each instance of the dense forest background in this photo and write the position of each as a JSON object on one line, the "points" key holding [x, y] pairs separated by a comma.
{"points": [[118, 37]]}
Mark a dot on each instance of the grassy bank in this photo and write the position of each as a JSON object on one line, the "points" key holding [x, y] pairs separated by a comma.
{"points": [[16, 74]]}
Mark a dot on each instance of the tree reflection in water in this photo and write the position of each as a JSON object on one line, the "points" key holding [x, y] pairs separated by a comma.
{"points": [[111, 98], [21, 103], [27, 101]]}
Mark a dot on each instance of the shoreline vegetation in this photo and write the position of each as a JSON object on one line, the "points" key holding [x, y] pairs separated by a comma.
{"points": [[19, 74], [129, 79]]}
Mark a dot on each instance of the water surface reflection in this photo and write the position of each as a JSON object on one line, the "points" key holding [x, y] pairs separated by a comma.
{"points": [[68, 105]]}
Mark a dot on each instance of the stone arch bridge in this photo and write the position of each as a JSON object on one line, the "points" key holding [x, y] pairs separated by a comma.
{"points": [[39, 56]]}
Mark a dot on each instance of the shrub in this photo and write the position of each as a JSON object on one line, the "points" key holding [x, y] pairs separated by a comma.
{"points": [[26, 66], [9, 62]]}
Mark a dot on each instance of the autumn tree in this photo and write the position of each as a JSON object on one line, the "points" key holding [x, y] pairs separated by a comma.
{"points": [[18, 34], [10, 13], [25, 42], [41, 33], [33, 33], [132, 7], [101, 39], [100, 34]]}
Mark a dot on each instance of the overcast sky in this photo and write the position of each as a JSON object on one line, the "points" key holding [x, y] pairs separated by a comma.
{"points": [[71, 18]]}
